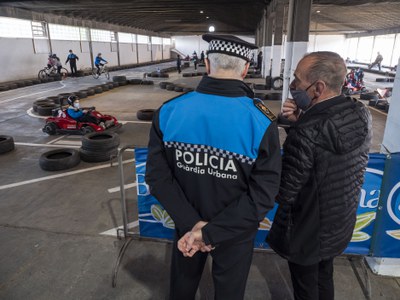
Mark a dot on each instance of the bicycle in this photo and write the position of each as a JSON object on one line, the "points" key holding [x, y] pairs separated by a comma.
{"points": [[103, 70], [47, 72]]}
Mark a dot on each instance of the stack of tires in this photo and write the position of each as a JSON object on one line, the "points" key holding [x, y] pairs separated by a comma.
{"points": [[120, 79], [45, 107], [99, 146]]}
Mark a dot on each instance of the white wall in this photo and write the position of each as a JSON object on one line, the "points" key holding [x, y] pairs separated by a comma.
{"points": [[19, 60], [157, 52], [166, 52], [334, 43], [145, 53], [127, 54]]}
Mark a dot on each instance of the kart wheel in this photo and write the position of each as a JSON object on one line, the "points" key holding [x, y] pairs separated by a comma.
{"points": [[277, 83], [50, 128], [6, 143], [86, 130], [59, 159]]}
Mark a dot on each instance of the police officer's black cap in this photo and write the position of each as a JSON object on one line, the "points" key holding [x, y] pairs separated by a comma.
{"points": [[229, 44]]}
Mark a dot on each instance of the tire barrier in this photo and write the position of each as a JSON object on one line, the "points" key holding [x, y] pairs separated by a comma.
{"points": [[178, 89], [260, 87], [369, 96], [99, 146], [163, 84], [81, 94], [384, 79], [4, 88], [59, 159], [188, 89], [119, 79], [186, 74], [145, 114], [6, 144], [170, 87], [97, 90], [135, 81], [147, 82], [274, 96]]}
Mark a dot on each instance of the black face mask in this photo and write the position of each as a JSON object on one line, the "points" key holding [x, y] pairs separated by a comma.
{"points": [[301, 98]]}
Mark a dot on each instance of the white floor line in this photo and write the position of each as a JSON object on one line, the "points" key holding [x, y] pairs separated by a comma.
{"points": [[44, 145], [7, 186], [29, 95], [118, 188], [113, 232], [31, 114], [138, 122], [55, 140], [73, 143]]}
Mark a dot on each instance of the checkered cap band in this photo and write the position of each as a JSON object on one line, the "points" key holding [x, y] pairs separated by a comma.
{"points": [[229, 48], [210, 150]]}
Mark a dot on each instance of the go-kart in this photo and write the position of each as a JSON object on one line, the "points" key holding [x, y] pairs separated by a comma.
{"points": [[61, 122], [350, 89]]}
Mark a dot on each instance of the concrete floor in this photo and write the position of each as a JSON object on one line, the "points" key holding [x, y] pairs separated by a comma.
{"points": [[51, 246]]}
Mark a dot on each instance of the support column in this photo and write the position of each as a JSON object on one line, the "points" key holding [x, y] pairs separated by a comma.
{"points": [[267, 48], [391, 141], [277, 48], [297, 39]]}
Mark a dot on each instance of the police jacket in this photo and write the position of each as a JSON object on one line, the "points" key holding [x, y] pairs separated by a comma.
{"points": [[324, 159], [214, 156]]}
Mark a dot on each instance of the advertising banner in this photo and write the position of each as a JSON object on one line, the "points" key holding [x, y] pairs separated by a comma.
{"points": [[155, 222], [386, 240]]}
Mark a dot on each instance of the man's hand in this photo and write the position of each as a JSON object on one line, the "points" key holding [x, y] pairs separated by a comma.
{"points": [[290, 110], [192, 241]]}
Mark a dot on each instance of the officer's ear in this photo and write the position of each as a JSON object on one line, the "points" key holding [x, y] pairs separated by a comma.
{"points": [[207, 62], [246, 69], [320, 87]]}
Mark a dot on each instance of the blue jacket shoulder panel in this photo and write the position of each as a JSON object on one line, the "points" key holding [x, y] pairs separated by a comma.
{"points": [[75, 114], [233, 124]]}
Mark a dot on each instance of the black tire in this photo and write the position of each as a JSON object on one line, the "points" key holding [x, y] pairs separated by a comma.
{"points": [[50, 128], [135, 81], [6, 144], [147, 82], [115, 84], [122, 83], [119, 78], [178, 89], [274, 96], [145, 114], [4, 88], [20, 83], [163, 84], [261, 96], [369, 96], [277, 83], [100, 141], [372, 102], [260, 87], [81, 94], [64, 96], [105, 87], [28, 82], [36, 81], [59, 159], [170, 87], [110, 85], [98, 90], [163, 75], [87, 130], [91, 156], [381, 79], [187, 90], [79, 73], [46, 110], [90, 92], [12, 86], [42, 102], [187, 74]]}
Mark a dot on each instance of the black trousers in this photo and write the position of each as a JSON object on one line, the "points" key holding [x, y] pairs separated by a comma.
{"points": [[313, 282], [72, 64], [230, 268]]}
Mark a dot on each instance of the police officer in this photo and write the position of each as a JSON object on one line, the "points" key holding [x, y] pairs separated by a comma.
{"points": [[72, 58], [214, 164]]}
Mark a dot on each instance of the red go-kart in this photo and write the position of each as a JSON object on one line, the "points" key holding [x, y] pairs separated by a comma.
{"points": [[61, 122]]}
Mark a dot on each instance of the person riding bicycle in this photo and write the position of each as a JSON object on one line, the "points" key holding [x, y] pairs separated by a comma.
{"points": [[55, 62], [77, 113], [97, 62]]}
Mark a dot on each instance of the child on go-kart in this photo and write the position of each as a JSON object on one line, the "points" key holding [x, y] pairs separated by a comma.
{"points": [[354, 81], [79, 114]]}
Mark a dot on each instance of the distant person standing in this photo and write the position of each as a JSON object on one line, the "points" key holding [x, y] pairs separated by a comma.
{"points": [[259, 60], [202, 56], [378, 61], [72, 58], [178, 64], [195, 60]]}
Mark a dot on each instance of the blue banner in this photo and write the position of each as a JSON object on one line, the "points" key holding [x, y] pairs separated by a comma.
{"points": [[386, 241], [155, 222]]}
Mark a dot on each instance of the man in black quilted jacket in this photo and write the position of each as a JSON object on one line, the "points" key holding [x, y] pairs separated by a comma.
{"points": [[325, 156]]}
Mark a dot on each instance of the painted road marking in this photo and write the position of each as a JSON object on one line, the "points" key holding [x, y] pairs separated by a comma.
{"points": [[31, 114], [28, 95], [44, 145], [72, 143], [138, 122], [7, 186], [113, 232], [55, 140], [118, 188]]}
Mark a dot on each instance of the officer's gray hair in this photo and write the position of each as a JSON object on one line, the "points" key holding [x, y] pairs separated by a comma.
{"points": [[220, 61], [327, 66]]}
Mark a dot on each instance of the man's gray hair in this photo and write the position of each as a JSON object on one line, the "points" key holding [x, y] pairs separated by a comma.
{"points": [[328, 67], [220, 61]]}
